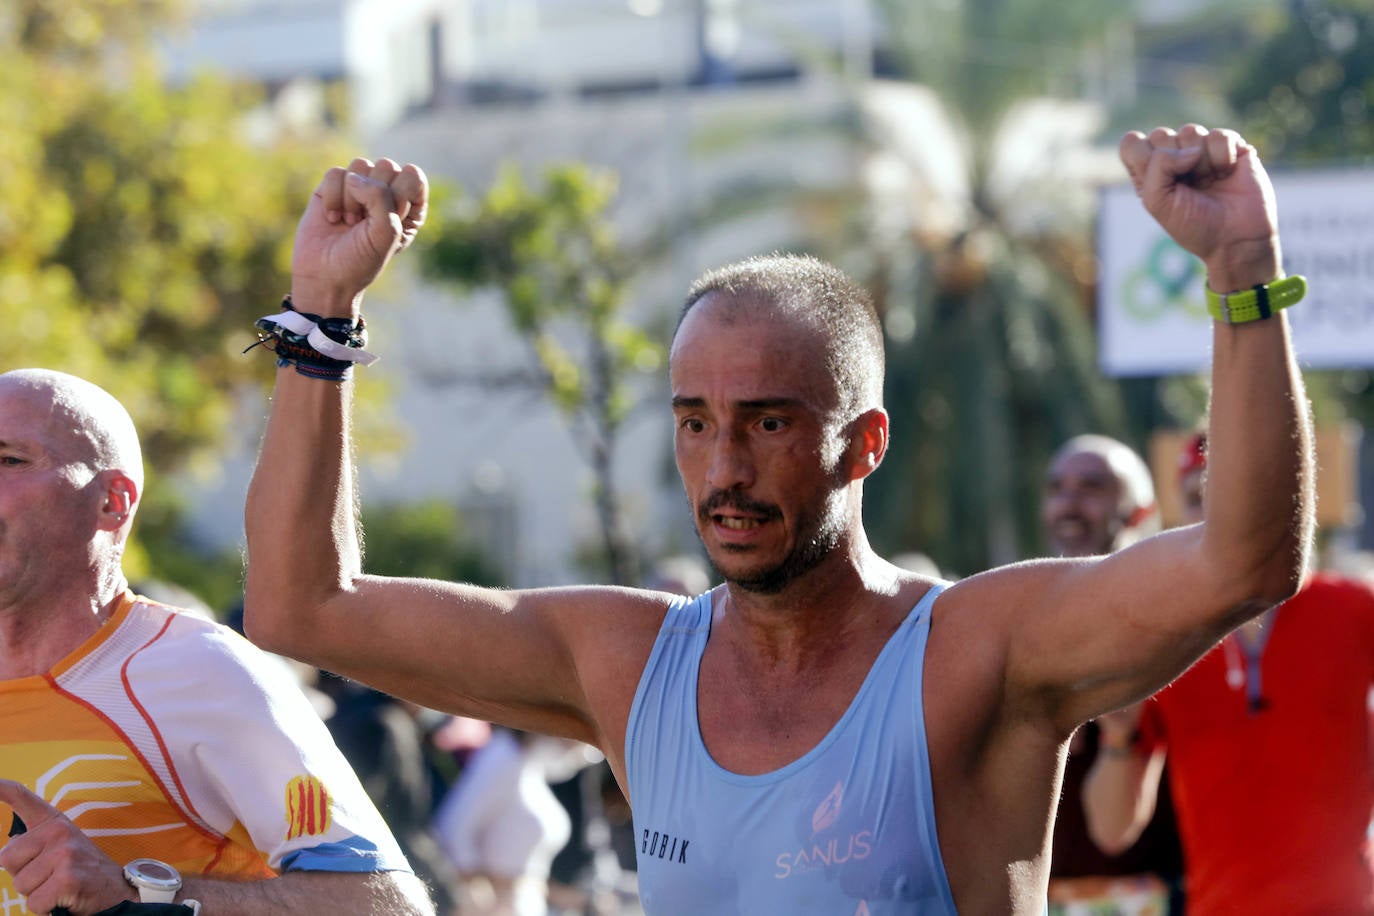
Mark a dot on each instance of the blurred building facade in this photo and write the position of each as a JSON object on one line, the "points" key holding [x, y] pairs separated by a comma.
{"points": [[686, 100], [397, 57], [462, 87]]}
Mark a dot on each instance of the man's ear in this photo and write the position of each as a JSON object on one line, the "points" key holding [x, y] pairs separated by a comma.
{"points": [[867, 443], [121, 498]]}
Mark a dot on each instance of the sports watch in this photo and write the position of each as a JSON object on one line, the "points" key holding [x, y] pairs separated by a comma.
{"points": [[157, 882], [1256, 303]]}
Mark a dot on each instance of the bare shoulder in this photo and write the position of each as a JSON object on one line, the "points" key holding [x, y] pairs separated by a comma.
{"points": [[991, 606], [606, 626], [994, 759], [611, 633], [974, 624]]}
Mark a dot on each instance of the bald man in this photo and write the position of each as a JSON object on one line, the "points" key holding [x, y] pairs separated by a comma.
{"points": [[147, 754], [1099, 498]]}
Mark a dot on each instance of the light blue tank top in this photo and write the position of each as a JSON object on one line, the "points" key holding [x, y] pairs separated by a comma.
{"points": [[846, 829]]}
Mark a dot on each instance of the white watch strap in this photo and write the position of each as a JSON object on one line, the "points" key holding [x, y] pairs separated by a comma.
{"points": [[156, 895]]}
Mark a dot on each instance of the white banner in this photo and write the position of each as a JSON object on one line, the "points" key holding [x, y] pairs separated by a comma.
{"points": [[1152, 318]]}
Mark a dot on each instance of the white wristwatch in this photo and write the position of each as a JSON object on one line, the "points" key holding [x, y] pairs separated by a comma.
{"points": [[156, 882]]}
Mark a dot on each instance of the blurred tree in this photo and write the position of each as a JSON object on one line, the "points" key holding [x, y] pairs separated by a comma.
{"points": [[984, 266], [552, 253], [84, 32], [1306, 94], [1305, 97], [140, 231], [426, 540]]}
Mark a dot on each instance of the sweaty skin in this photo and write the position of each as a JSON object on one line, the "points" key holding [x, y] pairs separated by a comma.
{"points": [[1017, 658]]}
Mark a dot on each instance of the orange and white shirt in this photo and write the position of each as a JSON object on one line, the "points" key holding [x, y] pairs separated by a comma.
{"points": [[168, 736]]}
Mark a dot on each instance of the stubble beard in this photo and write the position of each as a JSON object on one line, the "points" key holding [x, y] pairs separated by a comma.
{"points": [[826, 532]]}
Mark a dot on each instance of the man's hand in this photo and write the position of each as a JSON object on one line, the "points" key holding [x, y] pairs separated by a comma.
{"points": [[1210, 192], [357, 219], [54, 864]]}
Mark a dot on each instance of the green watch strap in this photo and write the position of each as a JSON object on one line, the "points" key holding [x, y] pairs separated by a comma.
{"points": [[1258, 302]]}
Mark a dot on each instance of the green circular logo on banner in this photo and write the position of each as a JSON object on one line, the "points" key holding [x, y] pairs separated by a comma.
{"points": [[1169, 279]]}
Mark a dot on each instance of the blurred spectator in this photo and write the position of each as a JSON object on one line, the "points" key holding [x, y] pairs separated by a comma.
{"points": [[460, 737], [1098, 499], [1267, 738], [500, 824], [388, 743]]}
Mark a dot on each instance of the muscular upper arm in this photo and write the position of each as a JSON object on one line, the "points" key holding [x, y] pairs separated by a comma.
{"points": [[1021, 656], [1085, 636], [559, 661]]}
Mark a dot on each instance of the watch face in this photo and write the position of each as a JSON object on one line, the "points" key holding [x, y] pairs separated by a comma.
{"points": [[152, 873]]}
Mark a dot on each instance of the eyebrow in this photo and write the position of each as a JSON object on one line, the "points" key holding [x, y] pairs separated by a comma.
{"points": [[756, 404]]}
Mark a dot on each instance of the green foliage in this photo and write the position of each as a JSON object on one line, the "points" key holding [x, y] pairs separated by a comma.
{"points": [[999, 365], [141, 232], [78, 32], [1305, 96], [425, 540], [214, 576], [995, 378], [553, 254]]}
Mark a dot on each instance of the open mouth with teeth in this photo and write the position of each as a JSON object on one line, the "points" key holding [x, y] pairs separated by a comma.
{"points": [[734, 516], [735, 523]]}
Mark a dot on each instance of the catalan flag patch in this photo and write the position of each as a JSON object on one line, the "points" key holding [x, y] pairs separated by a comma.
{"points": [[307, 808]]}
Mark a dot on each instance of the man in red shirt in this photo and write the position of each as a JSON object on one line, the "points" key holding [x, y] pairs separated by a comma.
{"points": [[1267, 739]]}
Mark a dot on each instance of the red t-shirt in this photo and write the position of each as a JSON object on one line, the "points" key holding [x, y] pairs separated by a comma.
{"points": [[1274, 802]]}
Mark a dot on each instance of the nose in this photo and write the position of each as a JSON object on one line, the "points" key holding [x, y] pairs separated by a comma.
{"points": [[1060, 500], [731, 464]]}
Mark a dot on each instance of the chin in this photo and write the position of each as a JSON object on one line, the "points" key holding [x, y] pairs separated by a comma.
{"points": [[736, 569], [733, 565], [767, 582], [771, 579]]}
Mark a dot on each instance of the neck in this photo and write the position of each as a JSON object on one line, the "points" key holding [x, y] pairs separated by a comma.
{"points": [[34, 637], [851, 589]]}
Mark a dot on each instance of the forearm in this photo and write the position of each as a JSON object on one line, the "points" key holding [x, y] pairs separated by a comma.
{"points": [[300, 504], [302, 538], [1119, 795], [336, 893], [1259, 495]]}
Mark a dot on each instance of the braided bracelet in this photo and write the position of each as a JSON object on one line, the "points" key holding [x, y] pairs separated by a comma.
{"points": [[323, 348]]}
